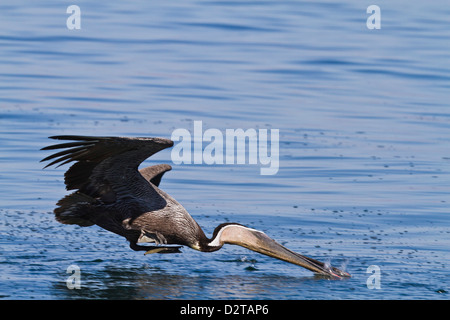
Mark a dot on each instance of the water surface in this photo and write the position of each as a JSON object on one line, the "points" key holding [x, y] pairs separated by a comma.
{"points": [[364, 154]]}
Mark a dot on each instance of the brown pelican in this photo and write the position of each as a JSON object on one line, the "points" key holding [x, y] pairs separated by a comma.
{"points": [[114, 194]]}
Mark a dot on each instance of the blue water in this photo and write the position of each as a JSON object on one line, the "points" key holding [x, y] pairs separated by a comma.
{"points": [[364, 122]]}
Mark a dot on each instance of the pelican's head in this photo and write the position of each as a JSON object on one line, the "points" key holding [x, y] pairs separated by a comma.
{"points": [[258, 241]]}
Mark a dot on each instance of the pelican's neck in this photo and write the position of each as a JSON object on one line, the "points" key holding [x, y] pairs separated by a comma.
{"points": [[220, 237], [216, 242], [217, 235]]}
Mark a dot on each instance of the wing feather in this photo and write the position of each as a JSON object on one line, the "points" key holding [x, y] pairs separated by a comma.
{"points": [[154, 173], [104, 164]]}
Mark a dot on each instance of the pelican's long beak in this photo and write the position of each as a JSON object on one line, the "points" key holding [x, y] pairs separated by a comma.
{"points": [[259, 242]]}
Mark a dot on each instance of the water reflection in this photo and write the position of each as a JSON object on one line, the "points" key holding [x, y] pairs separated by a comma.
{"points": [[140, 283]]}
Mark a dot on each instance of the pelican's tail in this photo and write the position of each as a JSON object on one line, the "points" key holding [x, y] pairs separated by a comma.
{"points": [[74, 209]]}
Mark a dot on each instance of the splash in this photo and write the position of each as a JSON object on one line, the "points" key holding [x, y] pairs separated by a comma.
{"points": [[340, 273], [344, 265], [328, 267]]}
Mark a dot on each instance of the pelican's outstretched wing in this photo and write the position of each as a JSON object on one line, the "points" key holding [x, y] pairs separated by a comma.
{"points": [[105, 167]]}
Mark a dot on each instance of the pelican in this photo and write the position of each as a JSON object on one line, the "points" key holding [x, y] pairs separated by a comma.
{"points": [[111, 192]]}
